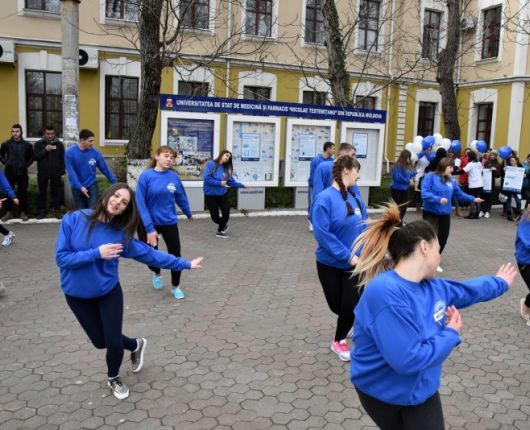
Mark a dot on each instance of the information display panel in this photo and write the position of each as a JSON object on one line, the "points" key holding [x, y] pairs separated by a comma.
{"points": [[195, 137], [305, 139], [255, 145]]}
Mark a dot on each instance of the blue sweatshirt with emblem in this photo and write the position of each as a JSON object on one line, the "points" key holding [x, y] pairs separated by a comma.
{"points": [[214, 174], [334, 230], [522, 241], [81, 166], [156, 196], [433, 190], [400, 337], [401, 177], [323, 179], [5, 187], [315, 162], [84, 273]]}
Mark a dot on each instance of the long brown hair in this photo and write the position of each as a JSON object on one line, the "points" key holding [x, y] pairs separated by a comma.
{"points": [[405, 159], [160, 150], [129, 221], [228, 166], [443, 164], [383, 244], [341, 163]]}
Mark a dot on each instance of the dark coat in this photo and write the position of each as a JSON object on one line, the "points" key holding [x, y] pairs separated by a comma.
{"points": [[49, 163], [8, 157]]}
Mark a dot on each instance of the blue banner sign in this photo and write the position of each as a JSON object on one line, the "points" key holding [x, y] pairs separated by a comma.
{"points": [[257, 107]]}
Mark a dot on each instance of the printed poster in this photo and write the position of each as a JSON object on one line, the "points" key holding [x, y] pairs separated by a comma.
{"points": [[306, 142], [360, 143], [486, 179], [513, 179]]}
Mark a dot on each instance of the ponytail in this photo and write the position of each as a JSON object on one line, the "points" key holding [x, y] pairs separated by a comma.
{"points": [[341, 163]]}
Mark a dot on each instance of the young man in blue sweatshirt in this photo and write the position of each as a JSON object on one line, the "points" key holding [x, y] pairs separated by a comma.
{"points": [[89, 246], [407, 322], [327, 155], [81, 162]]}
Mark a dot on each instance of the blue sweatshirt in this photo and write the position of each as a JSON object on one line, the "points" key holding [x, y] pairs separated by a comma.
{"points": [[81, 167], [433, 189], [401, 177], [323, 178], [522, 241], [334, 230], [213, 175], [400, 338], [156, 195], [315, 162], [5, 187], [83, 272]]}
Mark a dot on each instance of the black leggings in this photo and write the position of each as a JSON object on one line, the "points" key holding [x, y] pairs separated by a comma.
{"points": [[524, 270], [441, 225], [427, 416], [474, 208], [342, 294], [4, 230], [214, 203], [170, 234], [401, 197], [102, 320]]}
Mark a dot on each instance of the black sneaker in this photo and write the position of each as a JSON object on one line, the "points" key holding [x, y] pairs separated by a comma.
{"points": [[225, 230], [118, 388], [137, 357], [222, 234]]}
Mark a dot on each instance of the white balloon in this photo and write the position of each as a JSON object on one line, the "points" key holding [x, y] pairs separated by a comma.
{"points": [[417, 139], [436, 146], [414, 157], [446, 143], [437, 138], [416, 147], [409, 146], [473, 145]]}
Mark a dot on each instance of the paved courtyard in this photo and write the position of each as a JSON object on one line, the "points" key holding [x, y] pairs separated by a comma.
{"points": [[248, 348]]}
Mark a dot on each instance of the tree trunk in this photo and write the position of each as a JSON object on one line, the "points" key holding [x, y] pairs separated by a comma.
{"points": [[338, 75], [139, 147], [446, 69]]}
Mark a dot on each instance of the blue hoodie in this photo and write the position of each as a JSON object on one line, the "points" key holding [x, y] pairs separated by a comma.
{"points": [[522, 241], [433, 189], [213, 175], [315, 162], [400, 338], [323, 178], [334, 230], [5, 187], [83, 272], [81, 167], [156, 195], [401, 177]]}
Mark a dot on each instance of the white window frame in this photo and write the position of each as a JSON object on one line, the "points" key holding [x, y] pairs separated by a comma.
{"points": [[482, 6], [303, 42], [436, 6], [484, 95], [23, 11], [314, 84], [274, 23], [256, 79], [380, 36], [111, 21], [429, 95], [200, 74], [368, 89], [211, 19], [39, 61], [122, 67]]}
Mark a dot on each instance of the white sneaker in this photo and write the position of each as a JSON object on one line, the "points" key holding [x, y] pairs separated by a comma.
{"points": [[487, 215], [525, 316], [310, 225], [481, 214], [439, 269], [9, 239]]}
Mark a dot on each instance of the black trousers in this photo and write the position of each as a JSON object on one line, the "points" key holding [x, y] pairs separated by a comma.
{"points": [[102, 319], [427, 416], [401, 197], [170, 234], [474, 208], [214, 203], [524, 270], [342, 295], [55, 185], [441, 225], [19, 183], [4, 230], [485, 206]]}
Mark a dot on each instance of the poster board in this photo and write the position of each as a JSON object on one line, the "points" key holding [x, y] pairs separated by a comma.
{"points": [[305, 139], [255, 145], [195, 136], [369, 142], [513, 179]]}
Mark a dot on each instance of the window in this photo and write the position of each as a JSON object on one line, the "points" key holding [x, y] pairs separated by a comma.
{"points": [[258, 18], [314, 24], [365, 102], [314, 97], [52, 6], [195, 13], [126, 10], [368, 24], [484, 118], [43, 102], [431, 34], [491, 32], [426, 114], [190, 88], [121, 105], [257, 93]]}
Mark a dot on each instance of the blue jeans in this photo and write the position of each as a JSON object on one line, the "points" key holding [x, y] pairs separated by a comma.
{"points": [[81, 201], [508, 203]]}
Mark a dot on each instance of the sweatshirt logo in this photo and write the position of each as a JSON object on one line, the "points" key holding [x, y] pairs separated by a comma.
{"points": [[439, 312], [171, 187], [449, 184], [92, 162]]}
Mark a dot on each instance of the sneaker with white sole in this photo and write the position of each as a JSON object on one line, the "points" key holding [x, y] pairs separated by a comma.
{"points": [[8, 239], [487, 215], [118, 388], [439, 269], [481, 214], [177, 293], [525, 316], [158, 282], [137, 356], [341, 349], [222, 234], [225, 230]]}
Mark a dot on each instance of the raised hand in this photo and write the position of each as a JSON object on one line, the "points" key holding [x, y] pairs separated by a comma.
{"points": [[507, 272], [454, 319]]}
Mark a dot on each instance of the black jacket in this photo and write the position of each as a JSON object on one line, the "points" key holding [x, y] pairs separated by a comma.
{"points": [[7, 156], [49, 162]]}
